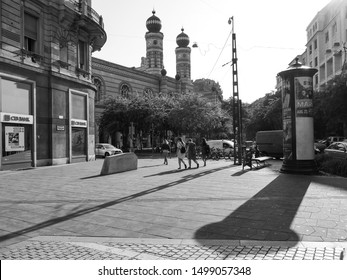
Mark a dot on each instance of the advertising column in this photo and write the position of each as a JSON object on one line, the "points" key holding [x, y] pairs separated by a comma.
{"points": [[297, 114]]}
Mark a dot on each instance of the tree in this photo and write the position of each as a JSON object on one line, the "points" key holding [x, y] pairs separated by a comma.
{"points": [[182, 114], [195, 115], [329, 109], [264, 114]]}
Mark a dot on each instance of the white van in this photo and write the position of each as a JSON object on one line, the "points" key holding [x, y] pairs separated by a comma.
{"points": [[226, 146]]}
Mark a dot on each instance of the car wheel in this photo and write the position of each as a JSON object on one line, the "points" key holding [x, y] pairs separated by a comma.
{"points": [[107, 154]]}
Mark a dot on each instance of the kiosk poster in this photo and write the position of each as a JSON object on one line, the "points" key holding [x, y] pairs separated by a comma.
{"points": [[287, 119], [14, 139], [303, 96], [304, 118]]}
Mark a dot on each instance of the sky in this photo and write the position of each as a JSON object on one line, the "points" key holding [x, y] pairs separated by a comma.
{"points": [[269, 35]]}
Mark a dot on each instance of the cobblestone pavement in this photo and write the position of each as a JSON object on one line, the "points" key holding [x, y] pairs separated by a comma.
{"points": [[72, 248], [215, 212]]}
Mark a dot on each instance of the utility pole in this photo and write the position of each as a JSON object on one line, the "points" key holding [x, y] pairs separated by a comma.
{"points": [[237, 120]]}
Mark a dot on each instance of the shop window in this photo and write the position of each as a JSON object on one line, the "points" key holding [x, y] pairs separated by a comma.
{"points": [[30, 33], [79, 124], [16, 148], [78, 139]]}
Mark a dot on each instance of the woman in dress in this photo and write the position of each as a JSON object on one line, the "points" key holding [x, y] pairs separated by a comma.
{"points": [[181, 152]]}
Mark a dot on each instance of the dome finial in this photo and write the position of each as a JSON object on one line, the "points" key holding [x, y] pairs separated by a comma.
{"points": [[182, 39], [153, 23]]}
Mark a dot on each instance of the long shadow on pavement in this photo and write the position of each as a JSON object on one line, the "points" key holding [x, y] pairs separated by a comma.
{"points": [[88, 210], [266, 216]]}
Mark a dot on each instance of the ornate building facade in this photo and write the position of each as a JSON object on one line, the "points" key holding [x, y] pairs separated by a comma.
{"points": [[46, 90], [114, 80]]}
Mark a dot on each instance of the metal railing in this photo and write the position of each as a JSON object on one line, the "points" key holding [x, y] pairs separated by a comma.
{"points": [[81, 7]]}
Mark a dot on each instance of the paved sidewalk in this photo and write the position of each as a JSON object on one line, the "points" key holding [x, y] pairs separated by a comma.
{"points": [[101, 248], [159, 212]]}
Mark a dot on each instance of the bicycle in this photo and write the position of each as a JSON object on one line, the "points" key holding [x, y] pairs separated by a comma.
{"points": [[216, 153]]}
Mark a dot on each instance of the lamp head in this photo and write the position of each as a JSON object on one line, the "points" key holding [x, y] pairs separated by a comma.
{"points": [[230, 20]]}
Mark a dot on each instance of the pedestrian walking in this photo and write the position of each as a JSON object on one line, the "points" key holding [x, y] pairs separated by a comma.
{"points": [[191, 153], [181, 152], [205, 150], [165, 149]]}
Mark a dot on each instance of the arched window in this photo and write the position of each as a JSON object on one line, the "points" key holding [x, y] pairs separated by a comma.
{"points": [[125, 90], [148, 92], [99, 84]]}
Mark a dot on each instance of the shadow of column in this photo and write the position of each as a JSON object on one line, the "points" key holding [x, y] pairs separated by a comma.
{"points": [[266, 216]]}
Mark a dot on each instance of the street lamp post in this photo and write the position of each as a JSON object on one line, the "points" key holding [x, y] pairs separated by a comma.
{"points": [[237, 120]]}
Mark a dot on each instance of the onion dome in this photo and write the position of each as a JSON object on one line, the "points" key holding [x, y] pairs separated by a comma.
{"points": [[182, 39], [153, 23]]}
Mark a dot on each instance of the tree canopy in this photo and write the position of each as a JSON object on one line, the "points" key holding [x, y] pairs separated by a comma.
{"points": [[180, 113]]}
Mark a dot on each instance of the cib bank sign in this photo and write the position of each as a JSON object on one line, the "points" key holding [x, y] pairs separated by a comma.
{"points": [[16, 118]]}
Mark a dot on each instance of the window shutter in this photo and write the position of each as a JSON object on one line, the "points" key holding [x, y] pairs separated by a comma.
{"points": [[30, 26]]}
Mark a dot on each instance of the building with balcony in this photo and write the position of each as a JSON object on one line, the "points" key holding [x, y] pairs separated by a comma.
{"points": [[46, 89], [327, 42]]}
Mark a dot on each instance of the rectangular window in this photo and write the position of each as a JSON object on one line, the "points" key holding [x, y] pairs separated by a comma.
{"points": [[310, 49], [15, 97], [82, 55], [315, 44], [316, 61], [64, 53], [30, 32], [79, 106], [327, 37]]}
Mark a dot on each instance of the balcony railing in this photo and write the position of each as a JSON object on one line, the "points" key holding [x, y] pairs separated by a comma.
{"points": [[81, 7]]}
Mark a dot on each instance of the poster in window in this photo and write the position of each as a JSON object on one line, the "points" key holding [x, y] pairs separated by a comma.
{"points": [[14, 139]]}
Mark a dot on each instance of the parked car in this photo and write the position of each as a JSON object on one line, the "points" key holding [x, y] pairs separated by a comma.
{"points": [[105, 150], [331, 139], [337, 150], [319, 146]]}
